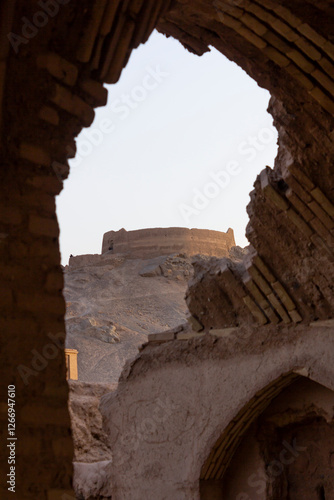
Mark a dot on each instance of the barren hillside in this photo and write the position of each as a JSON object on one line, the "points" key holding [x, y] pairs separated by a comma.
{"points": [[113, 302]]}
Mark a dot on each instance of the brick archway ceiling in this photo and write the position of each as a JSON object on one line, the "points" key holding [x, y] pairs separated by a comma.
{"points": [[285, 46], [288, 48]]}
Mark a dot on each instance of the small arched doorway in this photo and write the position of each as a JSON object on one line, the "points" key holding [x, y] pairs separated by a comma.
{"points": [[279, 447]]}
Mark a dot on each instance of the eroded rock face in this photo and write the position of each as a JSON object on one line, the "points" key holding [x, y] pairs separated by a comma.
{"points": [[90, 441], [114, 303], [92, 454], [92, 481]]}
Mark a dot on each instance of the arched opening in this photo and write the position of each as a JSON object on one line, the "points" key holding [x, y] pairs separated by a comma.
{"points": [[58, 54], [280, 447], [178, 144]]}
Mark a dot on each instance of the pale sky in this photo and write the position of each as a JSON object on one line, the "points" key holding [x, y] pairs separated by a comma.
{"points": [[179, 144]]}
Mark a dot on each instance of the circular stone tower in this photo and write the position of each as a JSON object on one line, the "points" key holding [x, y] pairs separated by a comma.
{"points": [[148, 243]]}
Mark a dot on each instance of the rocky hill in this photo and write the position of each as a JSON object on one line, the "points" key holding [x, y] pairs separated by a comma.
{"points": [[115, 300]]}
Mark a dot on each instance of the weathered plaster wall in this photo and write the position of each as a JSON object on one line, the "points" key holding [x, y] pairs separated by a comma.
{"points": [[175, 401]]}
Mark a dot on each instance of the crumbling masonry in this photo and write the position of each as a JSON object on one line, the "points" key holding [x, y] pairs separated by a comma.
{"points": [[54, 57]]}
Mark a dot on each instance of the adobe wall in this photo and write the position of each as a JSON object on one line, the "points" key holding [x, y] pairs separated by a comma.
{"points": [[177, 399], [147, 243]]}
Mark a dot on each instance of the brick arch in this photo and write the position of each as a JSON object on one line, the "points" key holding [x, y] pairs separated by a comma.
{"points": [[51, 79], [221, 454], [228, 449]]}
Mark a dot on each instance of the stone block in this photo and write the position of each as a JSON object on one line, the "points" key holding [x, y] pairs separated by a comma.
{"points": [[324, 81], [189, 335], [223, 332], [284, 297], [278, 42], [253, 24], [323, 100], [252, 37], [329, 49], [161, 337], [299, 205], [261, 301], [261, 13], [312, 35], [54, 281], [10, 215], [259, 279], [109, 17], [308, 48], [284, 30], [304, 195], [255, 310], [327, 323], [35, 154], [36, 303], [299, 76], [48, 184], [326, 65], [195, 324], [324, 202], [301, 61], [299, 222], [295, 316], [287, 16], [43, 227], [95, 90], [327, 221], [229, 21], [58, 67], [264, 269], [320, 229], [49, 115], [87, 41], [279, 308], [301, 177], [228, 8], [73, 105]]}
